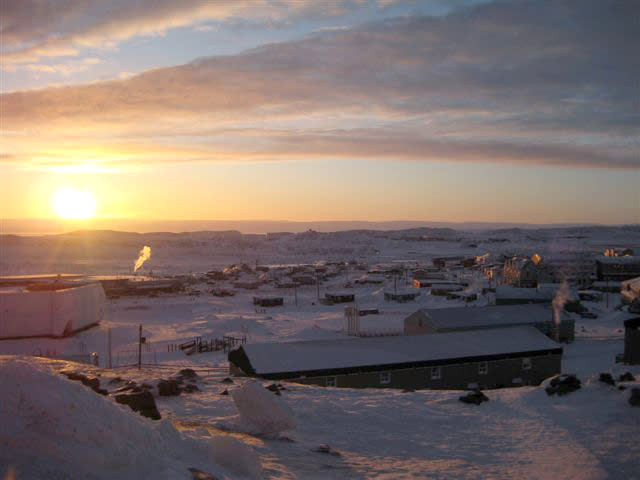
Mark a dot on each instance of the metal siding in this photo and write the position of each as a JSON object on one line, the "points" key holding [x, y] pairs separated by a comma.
{"points": [[501, 373]]}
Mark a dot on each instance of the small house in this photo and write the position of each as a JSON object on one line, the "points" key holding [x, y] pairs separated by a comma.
{"points": [[268, 301], [371, 279], [445, 289], [339, 297], [426, 272], [304, 279], [247, 284], [401, 296], [494, 358]]}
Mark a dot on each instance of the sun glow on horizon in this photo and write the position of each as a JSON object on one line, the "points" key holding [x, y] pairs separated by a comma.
{"points": [[72, 204]]}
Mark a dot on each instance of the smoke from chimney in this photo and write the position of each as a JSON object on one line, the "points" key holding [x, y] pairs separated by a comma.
{"points": [[144, 255], [558, 303]]}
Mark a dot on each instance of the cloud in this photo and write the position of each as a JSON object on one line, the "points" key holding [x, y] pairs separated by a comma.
{"points": [[35, 29], [543, 83]]}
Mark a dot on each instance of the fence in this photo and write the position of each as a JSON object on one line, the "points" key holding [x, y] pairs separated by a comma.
{"points": [[201, 345]]}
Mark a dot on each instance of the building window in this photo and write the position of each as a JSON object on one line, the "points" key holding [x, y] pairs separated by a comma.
{"points": [[483, 368], [385, 378], [436, 373], [526, 364], [331, 381]]}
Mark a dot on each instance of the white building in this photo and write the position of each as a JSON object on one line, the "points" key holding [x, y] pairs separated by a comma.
{"points": [[50, 313]]}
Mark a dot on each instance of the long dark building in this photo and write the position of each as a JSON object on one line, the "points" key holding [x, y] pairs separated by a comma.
{"points": [[493, 358], [632, 341]]}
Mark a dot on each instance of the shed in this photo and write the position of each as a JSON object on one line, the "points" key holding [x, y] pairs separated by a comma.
{"points": [[487, 358], [401, 296], [268, 301], [440, 320], [247, 284], [445, 288], [339, 297]]}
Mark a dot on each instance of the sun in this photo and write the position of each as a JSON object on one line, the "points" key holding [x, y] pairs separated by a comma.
{"points": [[72, 204]]}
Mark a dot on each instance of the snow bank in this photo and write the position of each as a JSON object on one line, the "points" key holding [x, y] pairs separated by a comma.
{"points": [[55, 428], [262, 410], [235, 455]]}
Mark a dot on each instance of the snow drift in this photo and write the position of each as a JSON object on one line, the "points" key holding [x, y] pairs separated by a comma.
{"points": [[56, 428], [262, 410]]}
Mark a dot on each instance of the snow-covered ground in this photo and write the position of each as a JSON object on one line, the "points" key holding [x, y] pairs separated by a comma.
{"points": [[52, 427]]}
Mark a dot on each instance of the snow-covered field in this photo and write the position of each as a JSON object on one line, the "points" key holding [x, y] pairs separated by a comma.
{"points": [[52, 427]]}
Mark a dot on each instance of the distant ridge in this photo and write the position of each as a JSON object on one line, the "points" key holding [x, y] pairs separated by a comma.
{"points": [[48, 226]]}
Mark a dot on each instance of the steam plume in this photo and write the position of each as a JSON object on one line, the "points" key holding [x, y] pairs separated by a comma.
{"points": [[144, 255], [559, 301]]}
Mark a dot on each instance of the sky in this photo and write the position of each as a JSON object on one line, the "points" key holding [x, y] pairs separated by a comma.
{"points": [[496, 111]]}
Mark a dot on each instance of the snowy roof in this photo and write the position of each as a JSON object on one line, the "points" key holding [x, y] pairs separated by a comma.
{"points": [[321, 355], [403, 292], [508, 291], [498, 316], [606, 283]]}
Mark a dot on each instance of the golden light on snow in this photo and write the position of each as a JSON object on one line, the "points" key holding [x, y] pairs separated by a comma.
{"points": [[72, 204]]}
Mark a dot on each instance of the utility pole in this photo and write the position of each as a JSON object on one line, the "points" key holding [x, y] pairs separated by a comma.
{"points": [[140, 347], [109, 347]]}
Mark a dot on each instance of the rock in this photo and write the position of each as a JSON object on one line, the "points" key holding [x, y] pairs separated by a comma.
{"points": [[128, 388], [226, 380], [324, 448], [190, 388], [200, 475], [274, 388], [115, 380], [607, 378], [627, 377], [142, 402], [92, 383], [168, 388], [224, 392], [146, 386], [188, 373], [476, 398], [78, 377], [563, 384], [634, 399]]}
